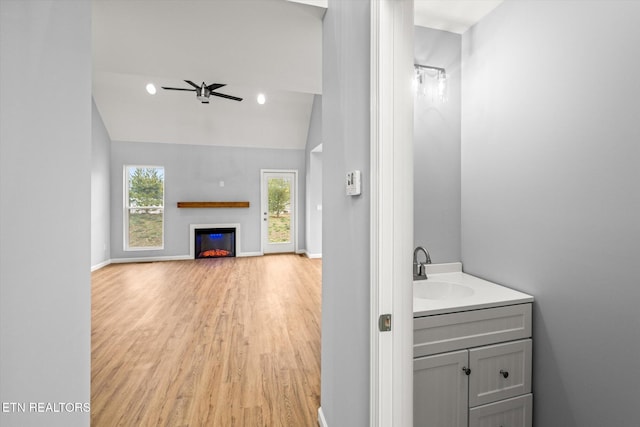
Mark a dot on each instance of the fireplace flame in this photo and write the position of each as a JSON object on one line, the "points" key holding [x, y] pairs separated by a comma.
{"points": [[212, 253]]}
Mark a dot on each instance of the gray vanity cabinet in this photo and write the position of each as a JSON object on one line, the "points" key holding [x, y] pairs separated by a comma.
{"points": [[486, 381]]}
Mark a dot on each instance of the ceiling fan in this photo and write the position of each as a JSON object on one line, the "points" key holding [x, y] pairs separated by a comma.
{"points": [[203, 92]]}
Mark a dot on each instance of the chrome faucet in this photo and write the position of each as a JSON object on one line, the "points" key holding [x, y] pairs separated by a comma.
{"points": [[419, 268]]}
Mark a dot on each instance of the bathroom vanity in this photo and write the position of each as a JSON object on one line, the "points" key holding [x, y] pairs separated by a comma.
{"points": [[472, 352]]}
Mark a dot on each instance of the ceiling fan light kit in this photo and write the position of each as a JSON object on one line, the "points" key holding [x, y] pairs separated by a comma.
{"points": [[151, 89], [204, 91]]}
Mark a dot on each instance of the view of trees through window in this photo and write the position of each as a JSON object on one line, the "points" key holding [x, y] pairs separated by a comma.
{"points": [[279, 210], [145, 206]]}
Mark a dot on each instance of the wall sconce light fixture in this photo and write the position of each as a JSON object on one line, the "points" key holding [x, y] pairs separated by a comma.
{"points": [[431, 82]]}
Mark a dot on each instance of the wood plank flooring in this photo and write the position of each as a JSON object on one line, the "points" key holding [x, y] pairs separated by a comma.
{"points": [[215, 342]]}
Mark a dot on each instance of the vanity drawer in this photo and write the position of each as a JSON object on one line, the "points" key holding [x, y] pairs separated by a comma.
{"points": [[447, 332], [499, 372], [515, 412]]}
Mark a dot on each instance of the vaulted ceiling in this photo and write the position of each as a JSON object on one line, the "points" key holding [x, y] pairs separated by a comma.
{"points": [[253, 46], [272, 47]]}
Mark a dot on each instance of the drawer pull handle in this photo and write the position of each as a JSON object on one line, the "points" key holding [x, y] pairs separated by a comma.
{"points": [[504, 373], [466, 370]]}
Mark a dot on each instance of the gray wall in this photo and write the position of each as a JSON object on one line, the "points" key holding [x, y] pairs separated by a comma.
{"points": [[550, 199], [193, 173], [45, 200], [437, 150], [345, 231], [100, 190], [314, 180]]}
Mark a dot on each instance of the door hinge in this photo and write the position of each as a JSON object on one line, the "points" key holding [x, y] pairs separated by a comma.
{"points": [[384, 322]]}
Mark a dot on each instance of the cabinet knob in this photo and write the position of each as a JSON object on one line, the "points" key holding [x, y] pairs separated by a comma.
{"points": [[466, 370], [504, 373]]}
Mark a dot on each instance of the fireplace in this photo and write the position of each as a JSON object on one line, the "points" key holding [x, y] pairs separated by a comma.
{"points": [[214, 242]]}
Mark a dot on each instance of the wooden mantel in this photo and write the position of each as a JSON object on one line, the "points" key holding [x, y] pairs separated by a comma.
{"points": [[213, 204]]}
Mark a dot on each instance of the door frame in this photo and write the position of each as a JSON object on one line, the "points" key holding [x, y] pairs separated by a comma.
{"points": [[391, 353], [263, 197]]}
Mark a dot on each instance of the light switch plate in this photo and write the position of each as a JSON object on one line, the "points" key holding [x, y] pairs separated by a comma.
{"points": [[353, 183]]}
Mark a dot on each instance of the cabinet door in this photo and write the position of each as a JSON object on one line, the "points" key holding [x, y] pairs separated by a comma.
{"points": [[440, 390], [515, 412], [499, 372]]}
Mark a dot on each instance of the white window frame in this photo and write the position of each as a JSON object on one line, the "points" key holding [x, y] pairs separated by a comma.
{"points": [[127, 208]]}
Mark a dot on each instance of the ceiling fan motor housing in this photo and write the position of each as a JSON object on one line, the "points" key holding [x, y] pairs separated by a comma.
{"points": [[202, 93]]}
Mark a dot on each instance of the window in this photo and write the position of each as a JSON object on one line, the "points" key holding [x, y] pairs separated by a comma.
{"points": [[143, 207]]}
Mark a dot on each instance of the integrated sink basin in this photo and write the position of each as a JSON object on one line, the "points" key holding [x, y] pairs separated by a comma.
{"points": [[449, 290], [436, 290]]}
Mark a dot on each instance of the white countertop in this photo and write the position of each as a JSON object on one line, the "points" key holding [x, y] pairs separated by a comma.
{"points": [[465, 292]]}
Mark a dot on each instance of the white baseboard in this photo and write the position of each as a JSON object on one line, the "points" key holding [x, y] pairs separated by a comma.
{"points": [[307, 254], [322, 422], [156, 259], [100, 265], [243, 254], [167, 258], [151, 259]]}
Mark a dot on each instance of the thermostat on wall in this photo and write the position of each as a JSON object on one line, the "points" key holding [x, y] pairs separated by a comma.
{"points": [[353, 183]]}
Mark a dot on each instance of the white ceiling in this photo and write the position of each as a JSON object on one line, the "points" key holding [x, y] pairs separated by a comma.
{"points": [[455, 16], [268, 46]]}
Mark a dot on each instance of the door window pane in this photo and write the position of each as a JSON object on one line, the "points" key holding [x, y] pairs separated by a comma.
{"points": [[279, 221]]}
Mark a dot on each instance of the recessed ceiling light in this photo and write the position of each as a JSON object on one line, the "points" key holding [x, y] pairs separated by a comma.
{"points": [[261, 98], [151, 89]]}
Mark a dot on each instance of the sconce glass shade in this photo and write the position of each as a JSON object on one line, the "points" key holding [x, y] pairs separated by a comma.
{"points": [[431, 83], [443, 87]]}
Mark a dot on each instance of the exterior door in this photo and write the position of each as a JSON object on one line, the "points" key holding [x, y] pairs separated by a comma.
{"points": [[278, 211]]}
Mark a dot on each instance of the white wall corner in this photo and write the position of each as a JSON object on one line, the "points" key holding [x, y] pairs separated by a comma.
{"points": [[308, 254], [100, 265]]}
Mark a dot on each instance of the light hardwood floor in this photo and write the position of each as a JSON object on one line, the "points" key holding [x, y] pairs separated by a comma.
{"points": [[218, 342]]}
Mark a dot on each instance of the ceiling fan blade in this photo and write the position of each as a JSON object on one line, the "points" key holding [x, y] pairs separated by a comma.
{"points": [[178, 88], [215, 86], [192, 84], [222, 95]]}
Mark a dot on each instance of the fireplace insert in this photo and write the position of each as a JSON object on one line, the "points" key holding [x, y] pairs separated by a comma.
{"points": [[215, 242]]}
